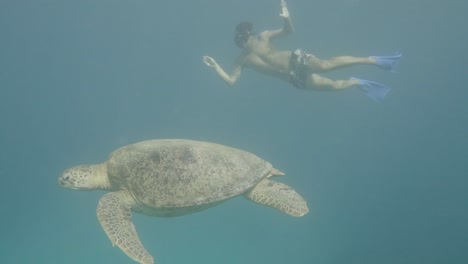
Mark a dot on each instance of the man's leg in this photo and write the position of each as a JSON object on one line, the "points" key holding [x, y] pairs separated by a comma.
{"points": [[374, 90], [317, 82], [319, 65]]}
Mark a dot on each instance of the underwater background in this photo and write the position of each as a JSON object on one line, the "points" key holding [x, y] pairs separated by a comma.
{"points": [[385, 183]]}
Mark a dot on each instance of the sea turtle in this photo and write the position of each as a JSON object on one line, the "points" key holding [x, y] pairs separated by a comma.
{"points": [[173, 177]]}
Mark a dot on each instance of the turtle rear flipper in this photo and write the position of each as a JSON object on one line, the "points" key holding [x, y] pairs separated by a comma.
{"points": [[114, 214], [279, 196]]}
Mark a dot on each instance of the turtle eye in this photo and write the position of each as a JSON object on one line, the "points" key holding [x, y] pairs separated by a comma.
{"points": [[66, 177]]}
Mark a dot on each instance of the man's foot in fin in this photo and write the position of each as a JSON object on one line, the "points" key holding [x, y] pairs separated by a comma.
{"points": [[387, 62], [374, 90]]}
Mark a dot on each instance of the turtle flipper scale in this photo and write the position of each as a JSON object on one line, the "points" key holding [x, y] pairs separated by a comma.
{"points": [[279, 196], [114, 214]]}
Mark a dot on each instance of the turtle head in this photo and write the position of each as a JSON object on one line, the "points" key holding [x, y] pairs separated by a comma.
{"points": [[85, 178]]}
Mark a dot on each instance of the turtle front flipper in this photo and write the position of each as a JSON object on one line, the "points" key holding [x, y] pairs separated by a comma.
{"points": [[114, 214], [279, 196]]}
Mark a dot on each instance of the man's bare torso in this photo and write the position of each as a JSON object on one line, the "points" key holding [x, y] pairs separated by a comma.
{"points": [[263, 57]]}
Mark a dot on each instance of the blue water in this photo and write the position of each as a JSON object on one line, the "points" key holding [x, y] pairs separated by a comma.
{"points": [[385, 183]]}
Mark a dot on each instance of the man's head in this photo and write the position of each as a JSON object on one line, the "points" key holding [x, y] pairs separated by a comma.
{"points": [[243, 34]]}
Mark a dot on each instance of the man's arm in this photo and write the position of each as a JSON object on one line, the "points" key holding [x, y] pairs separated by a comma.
{"points": [[287, 27], [229, 79]]}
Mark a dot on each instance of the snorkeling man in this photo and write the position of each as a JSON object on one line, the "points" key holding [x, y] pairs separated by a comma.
{"points": [[297, 67]]}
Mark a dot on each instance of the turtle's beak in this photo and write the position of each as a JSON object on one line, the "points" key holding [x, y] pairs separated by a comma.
{"points": [[65, 181], [62, 181]]}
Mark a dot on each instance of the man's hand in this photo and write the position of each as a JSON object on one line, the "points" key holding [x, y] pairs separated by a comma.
{"points": [[284, 10], [210, 62]]}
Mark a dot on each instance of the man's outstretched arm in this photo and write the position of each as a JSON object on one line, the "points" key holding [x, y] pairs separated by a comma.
{"points": [[287, 26], [229, 79]]}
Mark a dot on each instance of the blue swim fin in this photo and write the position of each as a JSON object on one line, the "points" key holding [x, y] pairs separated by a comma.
{"points": [[374, 90], [387, 62]]}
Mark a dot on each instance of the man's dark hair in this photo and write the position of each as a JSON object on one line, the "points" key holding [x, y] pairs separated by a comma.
{"points": [[243, 33]]}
